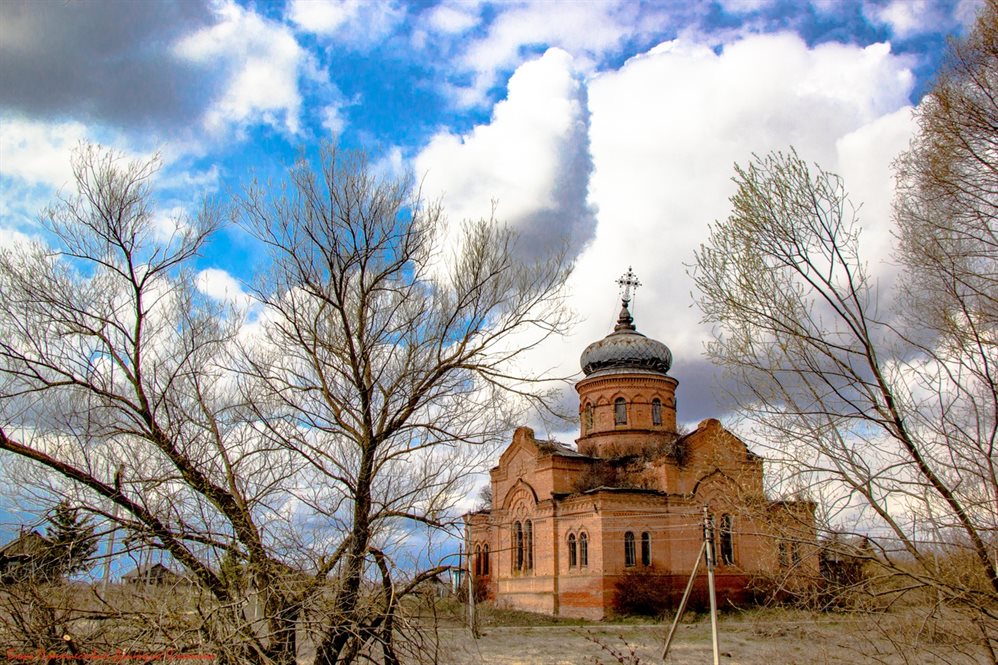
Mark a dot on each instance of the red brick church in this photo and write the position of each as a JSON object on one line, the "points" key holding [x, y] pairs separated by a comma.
{"points": [[568, 524]]}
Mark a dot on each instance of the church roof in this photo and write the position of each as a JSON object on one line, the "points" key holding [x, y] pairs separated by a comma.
{"points": [[558, 448], [625, 350]]}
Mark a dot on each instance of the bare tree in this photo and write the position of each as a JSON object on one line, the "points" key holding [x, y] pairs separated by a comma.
{"points": [[886, 414], [947, 230], [388, 360], [282, 463], [113, 390]]}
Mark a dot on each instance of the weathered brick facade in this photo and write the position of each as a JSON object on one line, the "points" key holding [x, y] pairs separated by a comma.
{"points": [[566, 524]]}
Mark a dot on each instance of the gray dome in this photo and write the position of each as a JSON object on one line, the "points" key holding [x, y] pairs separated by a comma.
{"points": [[626, 349]]}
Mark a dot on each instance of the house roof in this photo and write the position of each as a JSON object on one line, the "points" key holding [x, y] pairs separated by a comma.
{"points": [[29, 543], [152, 571]]}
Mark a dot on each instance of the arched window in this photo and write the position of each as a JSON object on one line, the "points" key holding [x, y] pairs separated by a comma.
{"points": [[528, 527], [656, 411], [485, 560], [571, 550], [478, 560], [727, 541], [795, 553], [645, 549], [517, 546], [583, 549], [619, 411], [629, 558], [589, 418], [783, 554]]}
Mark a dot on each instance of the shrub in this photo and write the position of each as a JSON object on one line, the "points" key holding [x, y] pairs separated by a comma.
{"points": [[640, 592]]}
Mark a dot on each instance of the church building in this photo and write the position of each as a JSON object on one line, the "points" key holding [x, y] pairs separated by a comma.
{"points": [[569, 526]]}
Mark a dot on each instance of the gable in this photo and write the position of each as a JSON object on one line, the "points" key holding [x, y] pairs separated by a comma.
{"points": [[521, 451], [714, 445]]}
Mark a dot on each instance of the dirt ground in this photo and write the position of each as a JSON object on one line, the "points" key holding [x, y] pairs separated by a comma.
{"points": [[754, 641]]}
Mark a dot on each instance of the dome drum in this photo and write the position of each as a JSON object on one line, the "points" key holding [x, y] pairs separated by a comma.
{"points": [[627, 398]]}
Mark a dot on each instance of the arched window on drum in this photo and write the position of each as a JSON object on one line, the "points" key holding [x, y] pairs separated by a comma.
{"points": [[619, 411]]}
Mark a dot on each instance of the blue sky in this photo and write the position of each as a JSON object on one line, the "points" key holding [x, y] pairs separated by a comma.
{"points": [[613, 123]]}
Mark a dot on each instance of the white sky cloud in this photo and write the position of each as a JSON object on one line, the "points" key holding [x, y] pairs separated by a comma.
{"points": [[453, 18], [13, 239], [356, 22], [966, 11], [35, 164], [333, 119], [906, 17], [665, 131], [223, 287], [264, 61], [667, 128], [864, 158], [39, 152], [392, 165], [634, 159], [532, 157], [588, 30], [744, 6]]}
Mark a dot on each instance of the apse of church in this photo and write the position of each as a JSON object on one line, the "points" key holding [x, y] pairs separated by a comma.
{"points": [[568, 524]]}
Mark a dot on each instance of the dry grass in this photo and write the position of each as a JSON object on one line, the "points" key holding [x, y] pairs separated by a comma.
{"points": [[761, 637]]}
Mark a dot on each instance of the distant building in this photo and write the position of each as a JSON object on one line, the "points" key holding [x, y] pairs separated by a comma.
{"points": [[153, 575], [27, 557], [567, 526]]}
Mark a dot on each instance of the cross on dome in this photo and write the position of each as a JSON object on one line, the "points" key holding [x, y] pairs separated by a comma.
{"points": [[625, 349], [628, 282]]}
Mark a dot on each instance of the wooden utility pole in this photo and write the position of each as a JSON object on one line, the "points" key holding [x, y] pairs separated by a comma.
{"points": [[708, 535], [472, 617], [465, 566], [682, 603], [707, 553]]}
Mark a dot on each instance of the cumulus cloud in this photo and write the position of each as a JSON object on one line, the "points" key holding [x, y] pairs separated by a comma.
{"points": [[263, 62], [532, 158], [864, 161], [666, 129]]}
